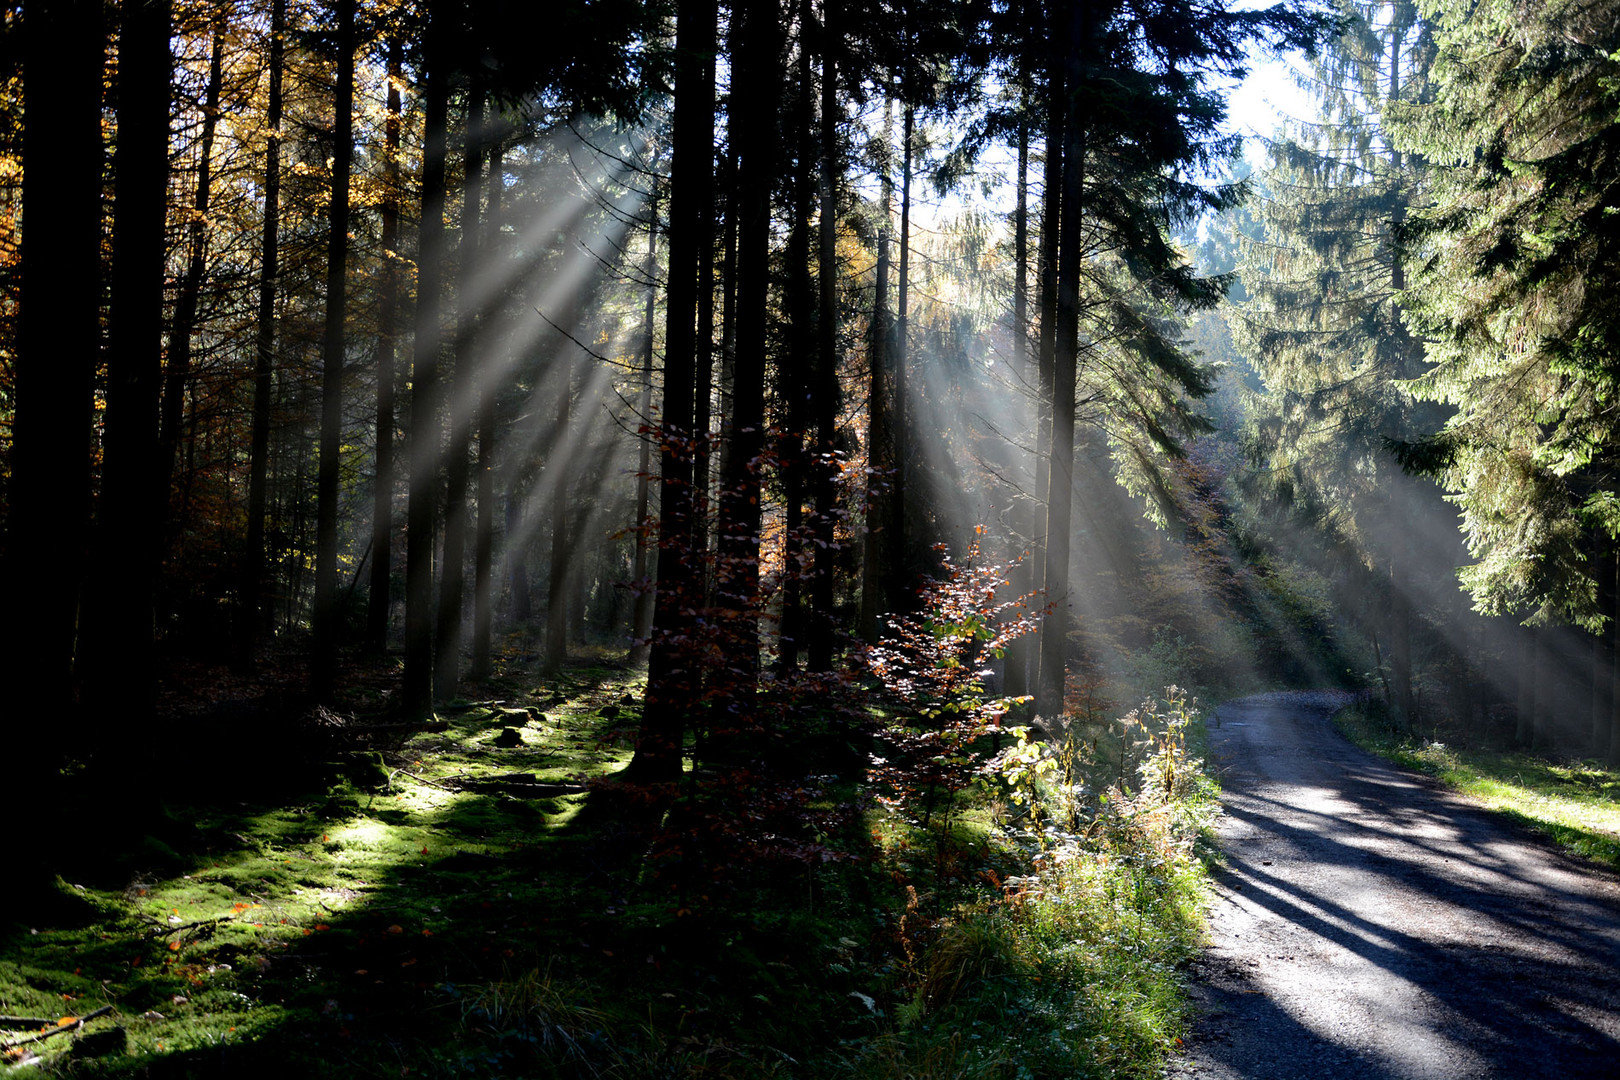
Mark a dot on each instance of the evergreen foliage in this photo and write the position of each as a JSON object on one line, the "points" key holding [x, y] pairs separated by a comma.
{"points": [[1515, 262]]}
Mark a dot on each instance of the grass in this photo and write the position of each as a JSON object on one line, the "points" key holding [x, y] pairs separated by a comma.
{"points": [[1576, 803], [377, 923]]}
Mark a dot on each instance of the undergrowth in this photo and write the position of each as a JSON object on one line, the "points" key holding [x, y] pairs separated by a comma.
{"points": [[980, 902], [1576, 803]]}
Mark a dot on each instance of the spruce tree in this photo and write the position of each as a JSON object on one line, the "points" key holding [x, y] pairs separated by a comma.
{"points": [[1323, 325], [1515, 264]]}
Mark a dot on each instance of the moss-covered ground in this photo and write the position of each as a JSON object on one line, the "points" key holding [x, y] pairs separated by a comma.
{"points": [[456, 906]]}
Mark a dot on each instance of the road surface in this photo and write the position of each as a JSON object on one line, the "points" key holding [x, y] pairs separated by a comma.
{"points": [[1369, 924]]}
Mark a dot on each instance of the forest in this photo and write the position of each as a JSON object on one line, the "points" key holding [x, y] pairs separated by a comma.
{"points": [[689, 537]]}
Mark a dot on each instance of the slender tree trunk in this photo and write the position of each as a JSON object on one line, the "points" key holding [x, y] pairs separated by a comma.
{"points": [[672, 665], [59, 337], [328, 613], [422, 509], [754, 128], [1060, 488], [642, 617], [1019, 651], [484, 536], [255, 616], [824, 395], [902, 566], [382, 506], [702, 400], [876, 542], [117, 676], [702, 409], [793, 382], [459, 417]]}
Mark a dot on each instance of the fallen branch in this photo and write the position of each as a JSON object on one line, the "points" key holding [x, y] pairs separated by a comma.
{"points": [[167, 928], [420, 780], [522, 784], [25, 1021], [6, 1048]]}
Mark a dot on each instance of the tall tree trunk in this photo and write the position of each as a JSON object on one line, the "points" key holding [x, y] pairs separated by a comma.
{"points": [[901, 564], [117, 676], [754, 127], [642, 617], [459, 417], [703, 393], [793, 382], [672, 664], [422, 508], [328, 600], [876, 544], [1060, 487], [255, 616], [824, 394], [382, 506], [59, 337], [1019, 650], [488, 385]]}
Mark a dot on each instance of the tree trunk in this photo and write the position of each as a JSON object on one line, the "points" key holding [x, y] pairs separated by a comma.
{"points": [[254, 616], [672, 662], [825, 392], [793, 384], [876, 542], [422, 509], [117, 673], [754, 128], [488, 378], [59, 338], [459, 417], [642, 619], [1019, 650], [382, 507], [1060, 487], [901, 566], [328, 613]]}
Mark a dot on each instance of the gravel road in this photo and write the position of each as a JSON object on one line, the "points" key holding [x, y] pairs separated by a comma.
{"points": [[1369, 924]]}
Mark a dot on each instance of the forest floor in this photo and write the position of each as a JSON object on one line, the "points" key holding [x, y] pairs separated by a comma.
{"points": [[1370, 923], [457, 902]]}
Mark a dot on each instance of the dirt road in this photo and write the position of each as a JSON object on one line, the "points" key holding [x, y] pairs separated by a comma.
{"points": [[1369, 924]]}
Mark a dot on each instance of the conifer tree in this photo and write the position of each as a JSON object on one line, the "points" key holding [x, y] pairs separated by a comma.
{"points": [[1515, 265], [1323, 326]]}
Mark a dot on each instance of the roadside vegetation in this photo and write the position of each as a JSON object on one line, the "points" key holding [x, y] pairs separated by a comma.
{"points": [[1574, 801]]}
